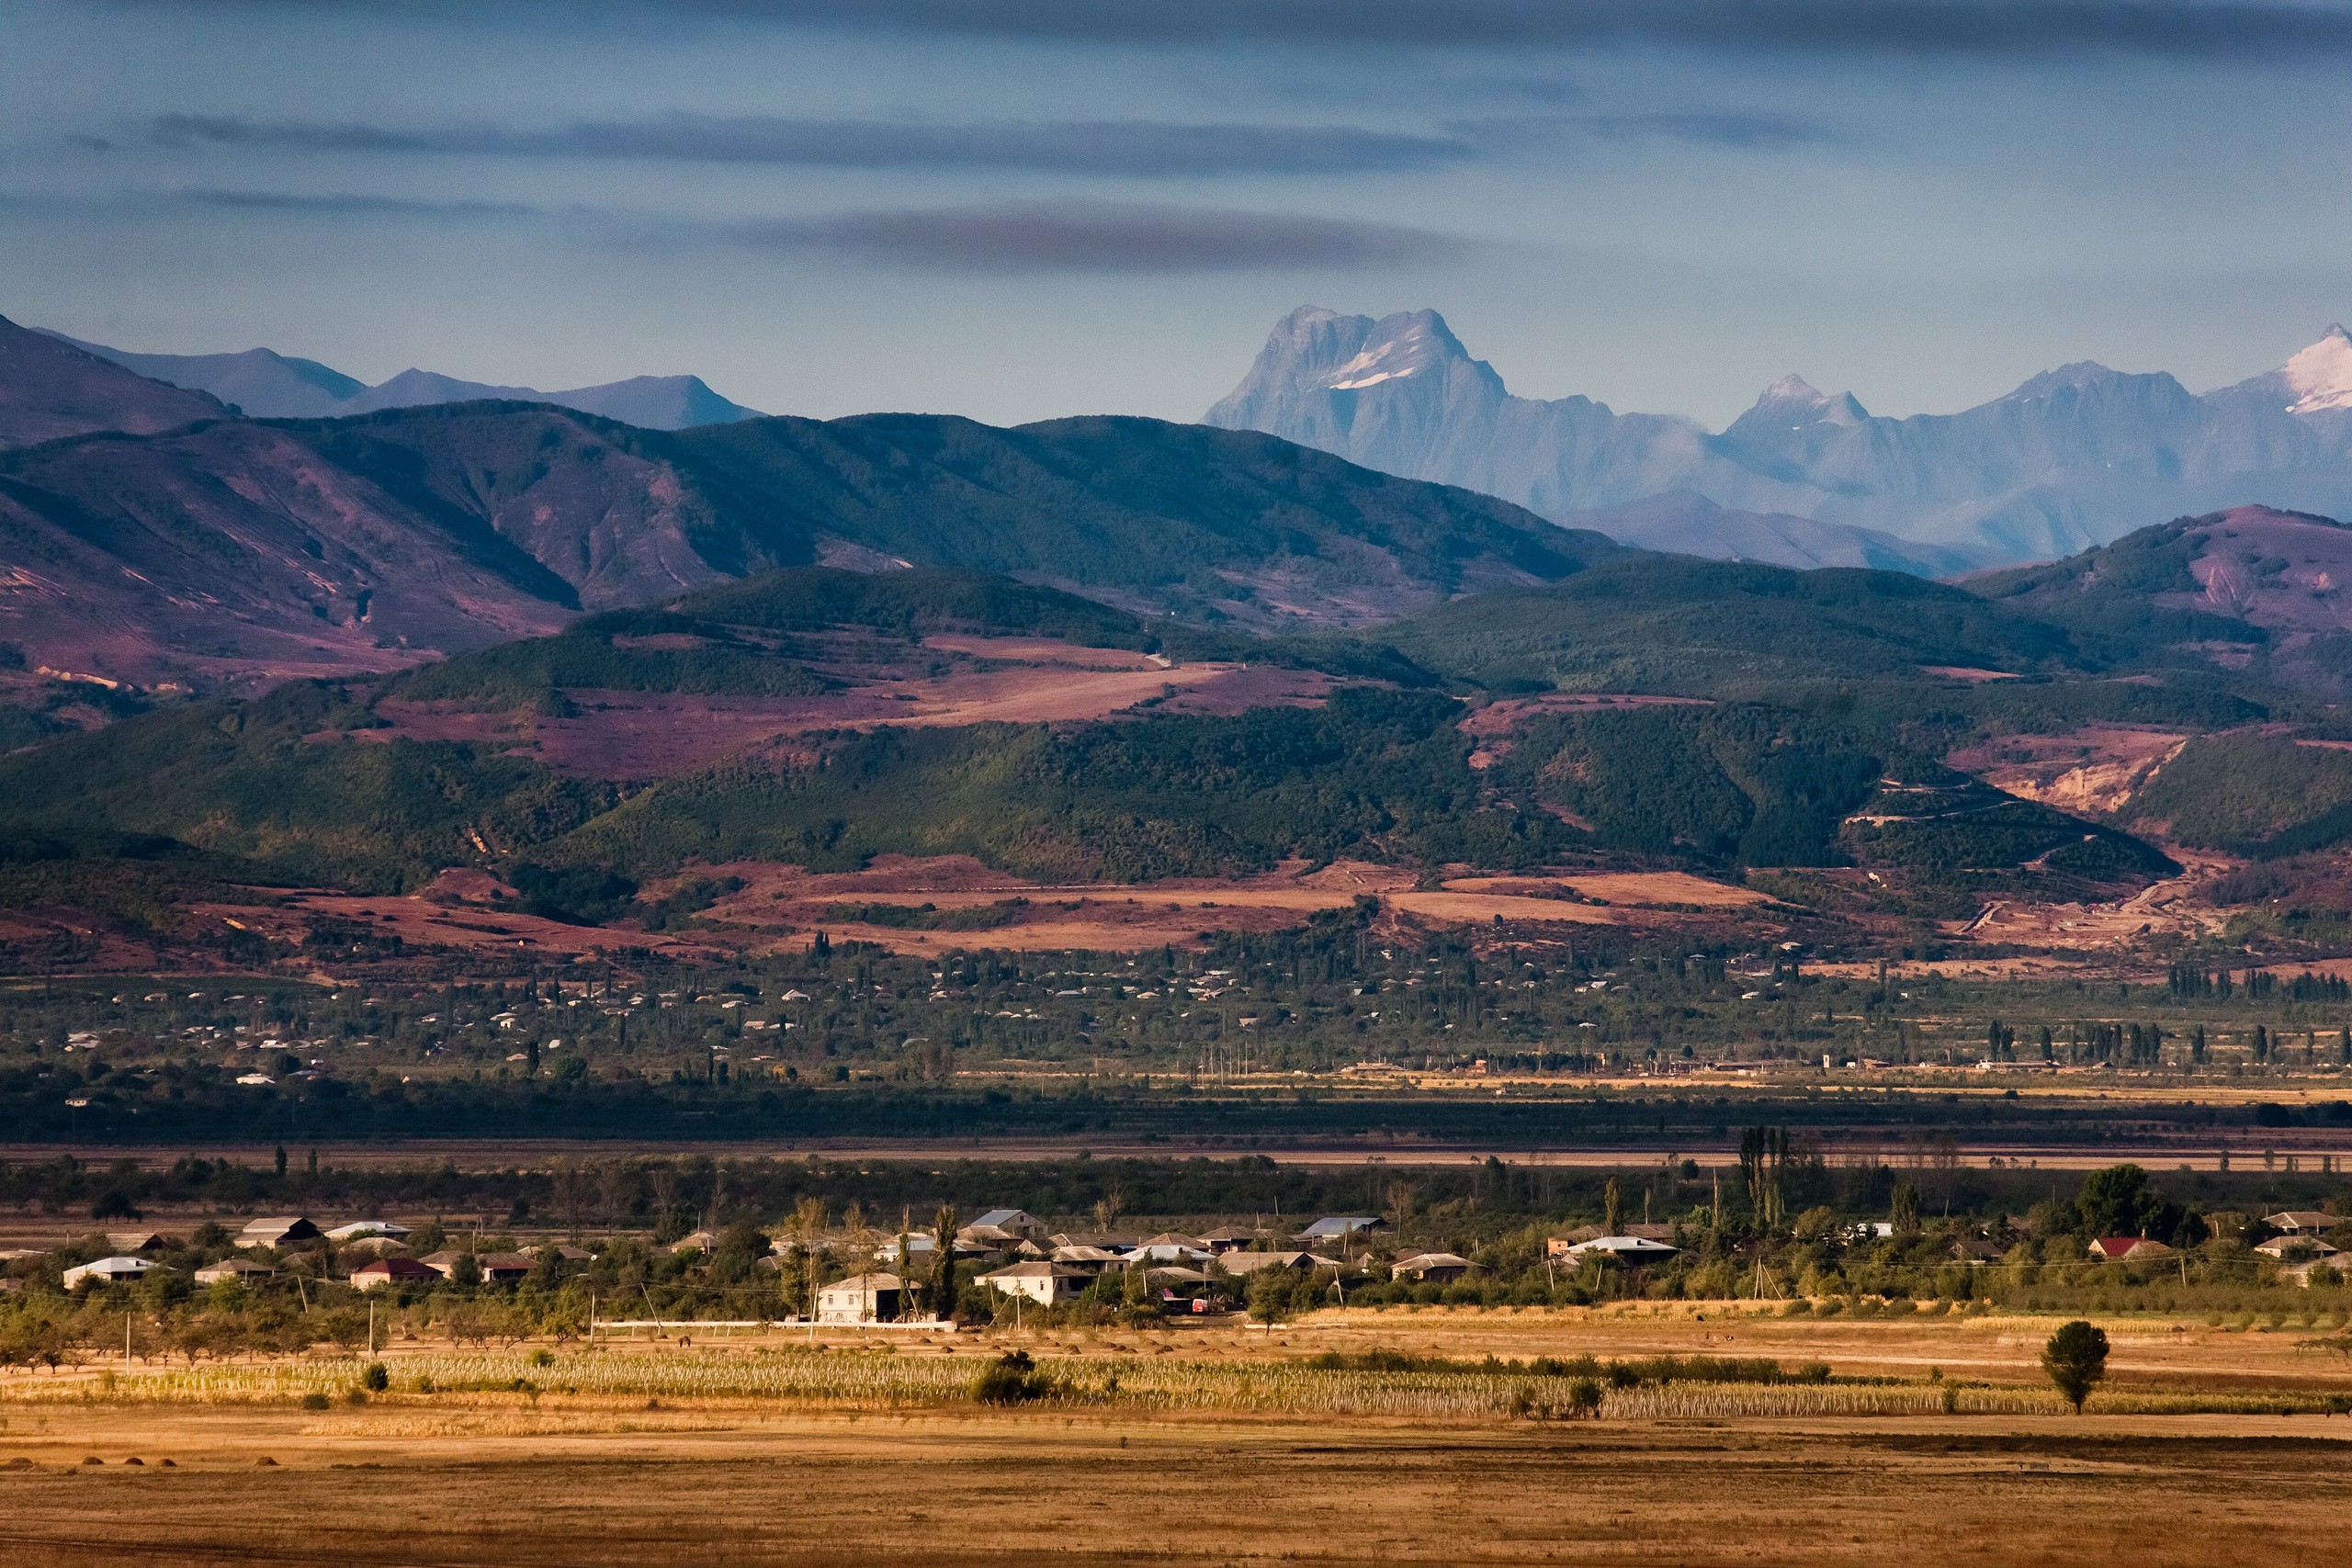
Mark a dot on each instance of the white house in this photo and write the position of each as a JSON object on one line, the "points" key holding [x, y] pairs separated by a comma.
{"points": [[240, 1269], [861, 1298], [358, 1228], [1045, 1283], [107, 1271]]}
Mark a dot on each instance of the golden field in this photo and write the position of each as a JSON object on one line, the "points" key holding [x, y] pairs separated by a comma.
{"points": [[1202, 1445]]}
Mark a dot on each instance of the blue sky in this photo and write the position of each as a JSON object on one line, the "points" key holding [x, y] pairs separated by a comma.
{"points": [[1019, 209]]}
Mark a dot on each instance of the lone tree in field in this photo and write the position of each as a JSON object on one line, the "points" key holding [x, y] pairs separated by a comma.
{"points": [[2075, 1360]]}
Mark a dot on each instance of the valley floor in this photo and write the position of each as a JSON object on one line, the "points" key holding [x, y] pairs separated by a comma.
{"points": [[577, 1478], [739, 1487]]}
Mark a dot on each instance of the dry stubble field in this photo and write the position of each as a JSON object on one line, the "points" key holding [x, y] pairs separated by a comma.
{"points": [[514, 1479]]}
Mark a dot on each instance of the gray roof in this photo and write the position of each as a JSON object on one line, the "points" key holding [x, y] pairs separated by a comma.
{"points": [[1341, 1225]]}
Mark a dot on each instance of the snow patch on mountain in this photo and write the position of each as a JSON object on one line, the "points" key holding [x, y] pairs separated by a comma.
{"points": [[2321, 375]]}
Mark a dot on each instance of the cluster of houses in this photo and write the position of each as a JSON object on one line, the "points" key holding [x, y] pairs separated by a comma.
{"points": [[1021, 1258], [1015, 1254], [128, 1263]]}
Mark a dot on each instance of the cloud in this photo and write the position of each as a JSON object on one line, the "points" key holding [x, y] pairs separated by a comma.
{"points": [[1734, 129], [353, 203], [2191, 27], [1104, 238], [1132, 147]]}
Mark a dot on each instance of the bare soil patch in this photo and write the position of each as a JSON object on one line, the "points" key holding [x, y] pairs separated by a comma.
{"points": [[2094, 771]]}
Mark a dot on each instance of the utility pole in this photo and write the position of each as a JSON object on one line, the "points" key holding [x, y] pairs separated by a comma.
{"points": [[371, 1326], [126, 1343]]}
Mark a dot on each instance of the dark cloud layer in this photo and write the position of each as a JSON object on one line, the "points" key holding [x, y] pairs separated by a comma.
{"points": [[1104, 238], [1976, 26], [2196, 28], [344, 202], [1129, 148]]}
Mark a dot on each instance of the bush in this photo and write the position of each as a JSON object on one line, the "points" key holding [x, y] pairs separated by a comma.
{"points": [[314, 1401], [1012, 1379], [376, 1379]]}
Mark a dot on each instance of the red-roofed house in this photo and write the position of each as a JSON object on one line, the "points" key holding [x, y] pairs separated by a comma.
{"points": [[2116, 1248]]}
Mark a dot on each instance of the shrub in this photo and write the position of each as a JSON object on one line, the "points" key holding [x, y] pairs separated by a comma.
{"points": [[314, 1401], [376, 1380], [1012, 1379]]}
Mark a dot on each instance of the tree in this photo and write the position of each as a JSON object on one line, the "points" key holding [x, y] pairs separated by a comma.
{"points": [[1905, 1211], [1270, 1295], [1613, 1206], [809, 1225], [2075, 1360], [2118, 1200], [943, 1262]]}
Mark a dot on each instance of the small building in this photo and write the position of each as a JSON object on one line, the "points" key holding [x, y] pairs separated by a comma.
{"points": [[1338, 1227], [1431, 1268], [2301, 1247], [564, 1252], [2303, 1222], [1013, 1221], [2137, 1249], [861, 1298], [389, 1229], [1169, 1246], [280, 1230], [1242, 1265], [921, 1246], [1045, 1283], [504, 1267], [1631, 1250], [1231, 1239], [1563, 1246], [991, 1240], [244, 1271], [109, 1271], [1190, 1288], [1093, 1260], [391, 1272], [696, 1240], [137, 1241]]}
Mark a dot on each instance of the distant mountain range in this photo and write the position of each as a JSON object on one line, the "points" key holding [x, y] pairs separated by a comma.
{"points": [[263, 384], [147, 535], [2074, 457]]}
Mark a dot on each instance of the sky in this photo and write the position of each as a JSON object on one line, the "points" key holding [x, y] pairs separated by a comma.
{"points": [[1016, 210]]}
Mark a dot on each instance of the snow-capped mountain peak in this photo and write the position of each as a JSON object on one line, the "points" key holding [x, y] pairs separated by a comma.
{"points": [[1413, 343], [2321, 375], [1800, 400]]}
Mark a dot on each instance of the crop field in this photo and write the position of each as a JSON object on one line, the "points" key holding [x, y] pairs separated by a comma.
{"points": [[1325, 1439]]}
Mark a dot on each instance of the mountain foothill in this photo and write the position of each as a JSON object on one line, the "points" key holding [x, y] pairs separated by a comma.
{"points": [[288, 660]]}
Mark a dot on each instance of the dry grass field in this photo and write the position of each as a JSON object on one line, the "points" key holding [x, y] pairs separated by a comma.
{"points": [[609, 1474]]}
